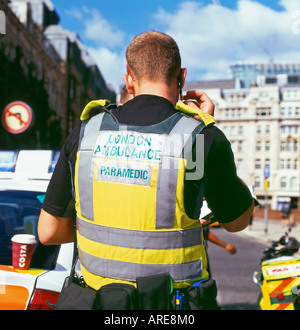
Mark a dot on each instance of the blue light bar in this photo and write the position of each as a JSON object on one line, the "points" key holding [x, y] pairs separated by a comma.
{"points": [[8, 161]]}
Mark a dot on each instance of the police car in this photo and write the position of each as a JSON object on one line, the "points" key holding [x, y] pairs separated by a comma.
{"points": [[24, 176]]}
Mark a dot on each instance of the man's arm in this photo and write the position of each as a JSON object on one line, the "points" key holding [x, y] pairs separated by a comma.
{"points": [[54, 230], [227, 195], [56, 224], [236, 225], [241, 222], [216, 240]]}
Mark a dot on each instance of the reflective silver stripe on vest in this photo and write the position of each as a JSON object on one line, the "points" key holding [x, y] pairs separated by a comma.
{"points": [[86, 144], [130, 271], [178, 142], [136, 239]]}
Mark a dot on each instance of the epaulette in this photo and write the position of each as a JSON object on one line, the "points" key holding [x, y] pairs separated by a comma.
{"points": [[205, 117], [92, 105]]}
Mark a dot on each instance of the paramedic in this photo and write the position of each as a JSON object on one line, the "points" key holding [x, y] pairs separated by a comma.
{"points": [[127, 203]]}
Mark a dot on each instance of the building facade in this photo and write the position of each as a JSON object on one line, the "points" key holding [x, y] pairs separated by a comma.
{"points": [[84, 80], [263, 125], [247, 73], [53, 56]]}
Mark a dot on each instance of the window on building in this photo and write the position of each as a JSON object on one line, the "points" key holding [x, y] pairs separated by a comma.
{"points": [[267, 129], [293, 79], [289, 164], [240, 130], [240, 146], [257, 182], [258, 129], [267, 146], [240, 164], [271, 80], [232, 130], [296, 164], [294, 183], [257, 164], [263, 112], [281, 164], [258, 145], [283, 183]]}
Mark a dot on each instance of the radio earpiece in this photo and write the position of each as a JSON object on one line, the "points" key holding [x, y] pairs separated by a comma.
{"points": [[179, 80]]}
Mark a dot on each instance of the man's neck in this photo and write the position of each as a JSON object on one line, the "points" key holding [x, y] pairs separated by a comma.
{"points": [[159, 89]]}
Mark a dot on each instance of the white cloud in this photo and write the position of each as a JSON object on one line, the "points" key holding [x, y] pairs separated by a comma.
{"points": [[112, 65], [76, 13], [106, 39], [97, 28], [290, 5], [212, 37]]}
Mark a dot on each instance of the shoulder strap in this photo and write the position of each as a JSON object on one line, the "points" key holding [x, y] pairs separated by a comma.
{"points": [[96, 104], [205, 117]]}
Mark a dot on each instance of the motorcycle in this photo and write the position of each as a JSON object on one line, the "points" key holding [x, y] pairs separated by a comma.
{"points": [[279, 277]]}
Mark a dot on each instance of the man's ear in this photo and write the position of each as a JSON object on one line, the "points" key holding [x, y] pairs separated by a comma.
{"points": [[183, 76], [129, 81]]}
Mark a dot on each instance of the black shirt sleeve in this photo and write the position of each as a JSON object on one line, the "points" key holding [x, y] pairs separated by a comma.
{"points": [[225, 193], [59, 199]]}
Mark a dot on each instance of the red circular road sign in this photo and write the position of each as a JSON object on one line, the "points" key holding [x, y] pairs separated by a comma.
{"points": [[17, 117]]}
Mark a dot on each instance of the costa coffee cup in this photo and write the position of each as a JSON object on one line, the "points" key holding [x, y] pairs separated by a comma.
{"points": [[22, 251]]}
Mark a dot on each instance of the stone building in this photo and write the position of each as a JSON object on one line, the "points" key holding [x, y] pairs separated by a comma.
{"points": [[263, 125], [68, 74], [84, 80]]}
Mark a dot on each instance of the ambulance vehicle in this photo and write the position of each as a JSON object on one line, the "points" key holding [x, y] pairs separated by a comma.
{"points": [[24, 176]]}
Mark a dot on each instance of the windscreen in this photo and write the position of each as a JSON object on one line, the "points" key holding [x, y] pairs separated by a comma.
{"points": [[19, 214]]}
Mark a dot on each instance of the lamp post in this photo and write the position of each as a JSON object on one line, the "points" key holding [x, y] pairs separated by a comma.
{"points": [[266, 175]]}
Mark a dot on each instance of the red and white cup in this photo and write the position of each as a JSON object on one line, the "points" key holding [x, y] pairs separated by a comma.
{"points": [[22, 251]]}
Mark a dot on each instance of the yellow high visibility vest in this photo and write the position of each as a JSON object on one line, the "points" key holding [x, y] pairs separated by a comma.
{"points": [[129, 186]]}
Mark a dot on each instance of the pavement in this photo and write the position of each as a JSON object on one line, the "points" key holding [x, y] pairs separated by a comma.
{"points": [[273, 233]]}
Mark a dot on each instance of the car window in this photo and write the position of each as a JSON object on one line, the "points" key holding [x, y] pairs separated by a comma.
{"points": [[19, 214]]}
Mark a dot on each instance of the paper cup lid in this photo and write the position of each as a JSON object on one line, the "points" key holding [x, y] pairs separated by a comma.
{"points": [[24, 238]]}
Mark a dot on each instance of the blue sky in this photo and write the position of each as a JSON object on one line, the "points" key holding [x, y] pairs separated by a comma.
{"points": [[211, 35]]}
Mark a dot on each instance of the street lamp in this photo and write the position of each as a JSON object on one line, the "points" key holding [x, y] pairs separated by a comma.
{"points": [[266, 175]]}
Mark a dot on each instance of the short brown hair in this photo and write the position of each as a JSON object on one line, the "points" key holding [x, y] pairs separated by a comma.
{"points": [[153, 56]]}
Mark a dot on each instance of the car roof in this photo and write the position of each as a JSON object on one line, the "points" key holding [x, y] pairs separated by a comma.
{"points": [[28, 170]]}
